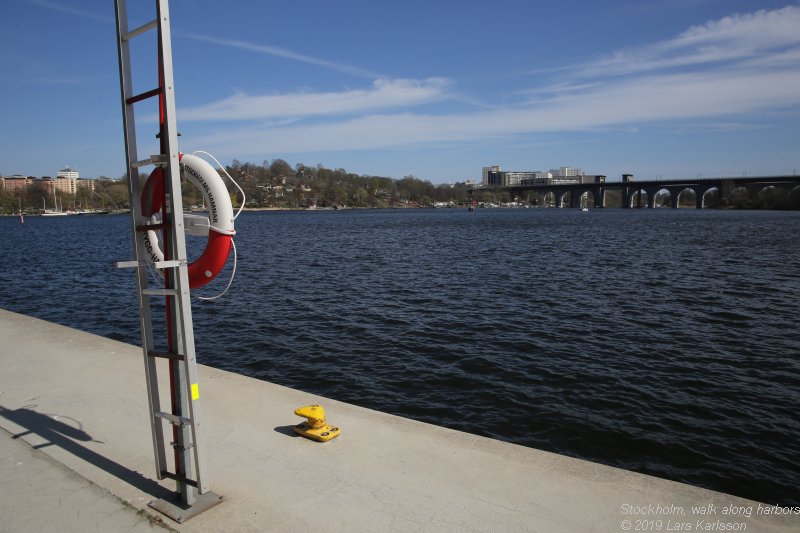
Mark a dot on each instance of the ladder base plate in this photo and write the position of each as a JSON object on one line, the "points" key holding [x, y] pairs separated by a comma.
{"points": [[181, 514]]}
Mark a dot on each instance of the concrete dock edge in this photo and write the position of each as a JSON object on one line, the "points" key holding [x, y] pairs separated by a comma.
{"points": [[78, 402]]}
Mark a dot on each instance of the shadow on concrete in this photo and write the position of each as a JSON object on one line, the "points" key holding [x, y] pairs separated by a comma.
{"points": [[286, 430], [64, 436]]}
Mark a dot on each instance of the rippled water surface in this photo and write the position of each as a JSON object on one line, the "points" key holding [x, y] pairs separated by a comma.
{"points": [[660, 341]]}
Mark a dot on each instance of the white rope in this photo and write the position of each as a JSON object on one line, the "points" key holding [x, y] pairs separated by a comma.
{"points": [[241, 206], [230, 281]]}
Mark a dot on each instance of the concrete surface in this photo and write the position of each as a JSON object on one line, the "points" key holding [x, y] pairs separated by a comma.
{"points": [[80, 400], [47, 497]]}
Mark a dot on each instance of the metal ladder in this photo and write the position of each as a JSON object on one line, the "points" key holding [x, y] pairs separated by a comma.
{"points": [[192, 492]]}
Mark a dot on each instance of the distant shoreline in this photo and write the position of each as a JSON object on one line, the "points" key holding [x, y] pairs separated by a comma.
{"points": [[255, 209]]}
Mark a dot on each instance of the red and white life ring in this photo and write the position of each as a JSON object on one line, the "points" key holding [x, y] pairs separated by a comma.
{"points": [[220, 213]]}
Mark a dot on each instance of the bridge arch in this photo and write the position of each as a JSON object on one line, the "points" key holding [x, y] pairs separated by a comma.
{"points": [[710, 198], [775, 196], [536, 198], [764, 193], [686, 196], [794, 197], [638, 198], [662, 198], [586, 198], [742, 197]]}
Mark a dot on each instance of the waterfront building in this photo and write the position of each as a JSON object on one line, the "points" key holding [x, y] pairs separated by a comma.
{"points": [[67, 180], [494, 176], [512, 178], [85, 183], [486, 172], [45, 185], [16, 183], [68, 173], [567, 175], [566, 172]]}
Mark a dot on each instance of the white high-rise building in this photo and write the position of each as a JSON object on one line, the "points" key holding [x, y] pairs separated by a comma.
{"points": [[67, 180]]}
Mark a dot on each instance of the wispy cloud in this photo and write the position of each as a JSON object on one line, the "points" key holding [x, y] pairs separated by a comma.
{"points": [[274, 51], [715, 73], [383, 94], [656, 98], [284, 53], [734, 38]]}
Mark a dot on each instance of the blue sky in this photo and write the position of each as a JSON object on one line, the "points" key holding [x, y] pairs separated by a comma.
{"points": [[670, 88]]}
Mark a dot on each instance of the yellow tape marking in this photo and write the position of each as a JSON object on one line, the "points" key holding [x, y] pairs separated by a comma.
{"points": [[195, 391]]}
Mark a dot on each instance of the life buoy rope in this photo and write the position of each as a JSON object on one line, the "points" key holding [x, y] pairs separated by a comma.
{"points": [[221, 220]]}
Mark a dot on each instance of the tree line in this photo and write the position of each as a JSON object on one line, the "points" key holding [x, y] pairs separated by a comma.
{"points": [[273, 184], [277, 184]]}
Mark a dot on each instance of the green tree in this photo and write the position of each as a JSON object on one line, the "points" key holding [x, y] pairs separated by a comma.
{"points": [[361, 197], [280, 169]]}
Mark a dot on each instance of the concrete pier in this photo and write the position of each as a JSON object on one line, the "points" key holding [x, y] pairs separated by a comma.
{"points": [[76, 455]]}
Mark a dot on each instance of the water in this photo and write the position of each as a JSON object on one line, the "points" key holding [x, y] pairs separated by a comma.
{"points": [[660, 341]]}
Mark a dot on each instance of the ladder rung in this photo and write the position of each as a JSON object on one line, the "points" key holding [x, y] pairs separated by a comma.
{"points": [[159, 264], [160, 292], [128, 264], [158, 159], [140, 30], [166, 355], [182, 479], [143, 96], [173, 419]]}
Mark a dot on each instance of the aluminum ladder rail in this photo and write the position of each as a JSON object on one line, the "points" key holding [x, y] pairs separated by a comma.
{"points": [[192, 494]]}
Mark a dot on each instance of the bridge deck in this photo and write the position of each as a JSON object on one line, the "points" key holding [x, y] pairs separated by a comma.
{"points": [[644, 184]]}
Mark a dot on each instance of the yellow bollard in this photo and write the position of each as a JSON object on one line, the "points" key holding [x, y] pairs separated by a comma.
{"points": [[315, 427]]}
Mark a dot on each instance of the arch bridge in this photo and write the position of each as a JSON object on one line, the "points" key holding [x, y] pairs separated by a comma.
{"points": [[637, 194]]}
